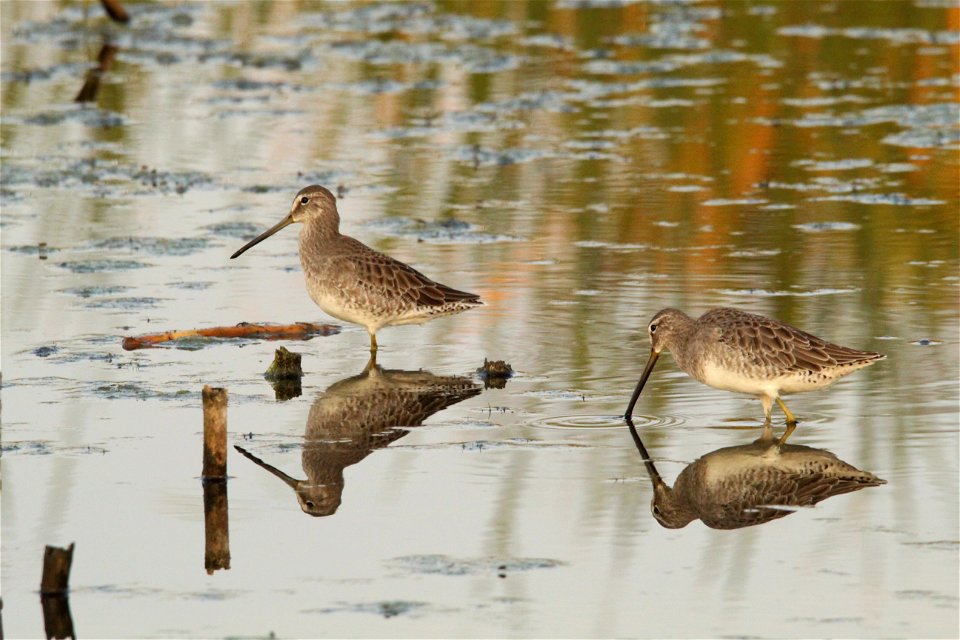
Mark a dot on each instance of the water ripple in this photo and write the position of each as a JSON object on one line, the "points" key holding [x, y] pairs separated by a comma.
{"points": [[594, 422]]}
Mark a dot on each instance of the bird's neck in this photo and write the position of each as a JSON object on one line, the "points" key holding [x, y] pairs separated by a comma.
{"points": [[681, 336], [316, 233]]}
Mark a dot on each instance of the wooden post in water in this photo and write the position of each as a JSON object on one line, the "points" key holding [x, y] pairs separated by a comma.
{"points": [[215, 513], [214, 433], [56, 570], [57, 620]]}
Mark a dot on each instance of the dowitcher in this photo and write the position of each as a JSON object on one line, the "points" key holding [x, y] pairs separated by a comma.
{"points": [[737, 351], [354, 283], [357, 416], [750, 484]]}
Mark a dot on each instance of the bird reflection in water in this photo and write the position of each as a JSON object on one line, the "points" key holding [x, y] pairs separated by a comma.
{"points": [[358, 415], [750, 484]]}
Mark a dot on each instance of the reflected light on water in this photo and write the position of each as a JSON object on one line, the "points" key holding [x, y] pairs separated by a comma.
{"points": [[579, 165]]}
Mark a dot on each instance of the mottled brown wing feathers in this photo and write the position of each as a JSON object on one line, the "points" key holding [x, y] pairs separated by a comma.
{"points": [[382, 274], [772, 342]]}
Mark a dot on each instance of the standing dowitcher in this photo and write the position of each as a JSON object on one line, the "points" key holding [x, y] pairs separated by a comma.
{"points": [[738, 351], [350, 281]]}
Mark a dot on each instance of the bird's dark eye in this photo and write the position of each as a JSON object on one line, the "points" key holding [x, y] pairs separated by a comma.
{"points": [[653, 328], [304, 200]]}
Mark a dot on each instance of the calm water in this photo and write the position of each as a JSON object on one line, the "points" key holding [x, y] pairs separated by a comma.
{"points": [[580, 165]]}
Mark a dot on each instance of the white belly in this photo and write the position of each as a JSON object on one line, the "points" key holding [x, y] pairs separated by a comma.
{"points": [[720, 378], [333, 305]]}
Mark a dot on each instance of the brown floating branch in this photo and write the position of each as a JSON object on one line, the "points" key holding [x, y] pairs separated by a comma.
{"points": [[56, 570], [214, 433], [296, 331]]}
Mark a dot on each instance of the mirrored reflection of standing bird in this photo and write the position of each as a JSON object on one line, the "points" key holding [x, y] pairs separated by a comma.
{"points": [[354, 283], [737, 351], [750, 484], [357, 416]]}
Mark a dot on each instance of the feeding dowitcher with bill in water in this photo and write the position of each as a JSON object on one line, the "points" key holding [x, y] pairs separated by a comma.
{"points": [[354, 283], [737, 351]]}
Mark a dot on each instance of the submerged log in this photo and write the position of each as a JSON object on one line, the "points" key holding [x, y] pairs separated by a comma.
{"points": [[296, 331]]}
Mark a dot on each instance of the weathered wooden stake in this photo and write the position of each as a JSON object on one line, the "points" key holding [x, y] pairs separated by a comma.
{"points": [[214, 433], [56, 570], [53, 592]]}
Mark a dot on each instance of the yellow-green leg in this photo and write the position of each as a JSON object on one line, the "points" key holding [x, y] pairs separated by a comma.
{"points": [[790, 419], [786, 434]]}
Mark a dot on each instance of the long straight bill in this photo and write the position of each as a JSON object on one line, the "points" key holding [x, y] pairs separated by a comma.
{"points": [[643, 380], [263, 236], [290, 482], [647, 460]]}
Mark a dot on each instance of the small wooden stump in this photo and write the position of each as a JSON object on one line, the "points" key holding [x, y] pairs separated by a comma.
{"points": [[285, 366], [56, 570], [284, 374], [214, 433], [495, 373], [57, 620]]}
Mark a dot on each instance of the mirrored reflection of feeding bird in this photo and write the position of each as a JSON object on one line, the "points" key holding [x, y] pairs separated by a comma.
{"points": [[354, 283], [737, 351], [750, 484], [357, 416]]}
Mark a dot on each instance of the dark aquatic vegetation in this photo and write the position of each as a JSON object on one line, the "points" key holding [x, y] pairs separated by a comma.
{"points": [[96, 266], [448, 566]]}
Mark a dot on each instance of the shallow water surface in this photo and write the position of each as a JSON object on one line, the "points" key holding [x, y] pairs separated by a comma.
{"points": [[580, 165]]}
